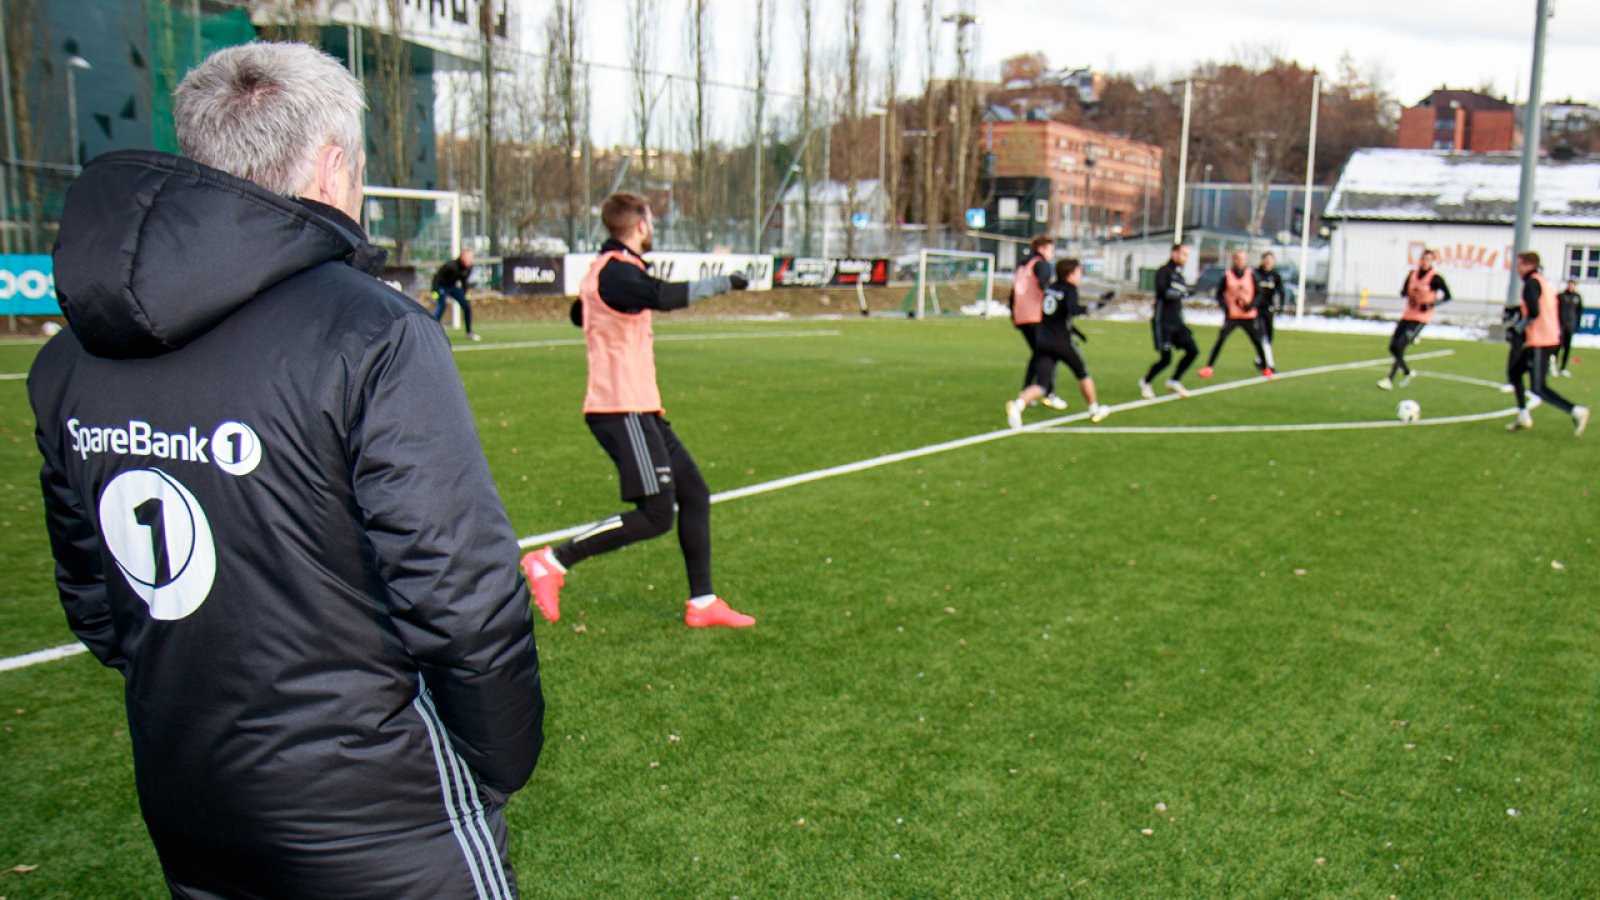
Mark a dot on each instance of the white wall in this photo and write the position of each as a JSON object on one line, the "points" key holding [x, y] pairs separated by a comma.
{"points": [[1475, 260]]}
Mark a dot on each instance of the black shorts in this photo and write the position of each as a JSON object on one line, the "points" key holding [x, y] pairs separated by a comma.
{"points": [[1405, 333], [1054, 348], [637, 443], [1169, 336]]}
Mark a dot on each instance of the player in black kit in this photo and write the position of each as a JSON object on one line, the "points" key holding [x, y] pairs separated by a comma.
{"points": [[1053, 343], [1168, 328], [1270, 295]]}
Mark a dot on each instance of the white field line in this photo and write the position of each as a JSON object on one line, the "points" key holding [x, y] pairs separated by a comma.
{"points": [[578, 342], [29, 659], [1464, 379], [959, 443], [1308, 426], [41, 656], [716, 336]]}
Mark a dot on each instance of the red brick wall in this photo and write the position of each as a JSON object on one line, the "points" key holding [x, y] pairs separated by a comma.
{"points": [[1493, 131], [1416, 129]]}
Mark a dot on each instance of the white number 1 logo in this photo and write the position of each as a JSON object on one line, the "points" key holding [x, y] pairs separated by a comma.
{"points": [[161, 540]]}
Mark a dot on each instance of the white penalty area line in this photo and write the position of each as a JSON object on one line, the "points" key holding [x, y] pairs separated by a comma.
{"points": [[1307, 426], [716, 336], [41, 656], [888, 459]]}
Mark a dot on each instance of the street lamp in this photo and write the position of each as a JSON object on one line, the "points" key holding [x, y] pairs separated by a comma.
{"points": [[74, 63]]}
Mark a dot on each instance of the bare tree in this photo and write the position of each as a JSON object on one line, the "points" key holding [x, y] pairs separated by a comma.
{"points": [[854, 75], [486, 151], [699, 38], [562, 86], [930, 200], [763, 57], [891, 125], [641, 59], [23, 57], [808, 62], [395, 124]]}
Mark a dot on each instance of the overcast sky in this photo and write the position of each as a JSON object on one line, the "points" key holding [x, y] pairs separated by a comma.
{"points": [[1417, 45]]}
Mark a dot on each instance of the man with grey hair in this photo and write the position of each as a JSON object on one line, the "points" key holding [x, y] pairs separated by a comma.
{"points": [[270, 511]]}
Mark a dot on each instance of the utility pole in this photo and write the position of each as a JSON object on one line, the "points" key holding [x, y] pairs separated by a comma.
{"points": [[485, 151], [963, 21], [1305, 214], [1183, 160], [1530, 154]]}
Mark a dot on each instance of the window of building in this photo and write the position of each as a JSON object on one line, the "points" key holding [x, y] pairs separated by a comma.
{"points": [[1583, 263]]}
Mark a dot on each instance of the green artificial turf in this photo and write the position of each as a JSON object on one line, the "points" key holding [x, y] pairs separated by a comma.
{"points": [[1250, 664]]}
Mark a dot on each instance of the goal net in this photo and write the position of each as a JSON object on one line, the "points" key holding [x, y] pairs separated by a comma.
{"points": [[420, 229], [949, 281]]}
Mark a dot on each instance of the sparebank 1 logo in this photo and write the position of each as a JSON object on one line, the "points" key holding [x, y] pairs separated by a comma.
{"points": [[236, 447], [161, 539]]}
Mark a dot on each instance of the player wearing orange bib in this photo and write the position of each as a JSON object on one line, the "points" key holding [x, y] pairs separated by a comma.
{"points": [[1236, 292], [1423, 290], [622, 407], [1538, 325]]}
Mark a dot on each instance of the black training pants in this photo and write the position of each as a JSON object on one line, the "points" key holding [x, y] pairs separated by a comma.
{"points": [[1046, 380], [1405, 334], [1535, 363], [656, 473], [1252, 330]]}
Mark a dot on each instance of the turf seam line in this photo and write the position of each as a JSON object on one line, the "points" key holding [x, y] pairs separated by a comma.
{"points": [[715, 336], [974, 440], [578, 342]]}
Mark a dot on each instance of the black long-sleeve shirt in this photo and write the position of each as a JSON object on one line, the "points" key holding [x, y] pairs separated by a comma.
{"points": [[1571, 308], [1171, 290], [628, 288], [454, 273], [1269, 289]]}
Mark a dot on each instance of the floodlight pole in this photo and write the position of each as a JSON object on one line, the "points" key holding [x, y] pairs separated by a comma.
{"points": [[1305, 215], [1530, 153], [1183, 161]]}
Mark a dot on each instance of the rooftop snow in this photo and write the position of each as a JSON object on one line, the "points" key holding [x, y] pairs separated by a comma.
{"points": [[1438, 185]]}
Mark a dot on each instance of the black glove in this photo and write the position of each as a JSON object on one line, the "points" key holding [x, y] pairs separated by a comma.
{"points": [[576, 313], [738, 282], [1107, 297]]}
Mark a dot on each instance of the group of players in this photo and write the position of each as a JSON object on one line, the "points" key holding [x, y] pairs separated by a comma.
{"points": [[1045, 299]]}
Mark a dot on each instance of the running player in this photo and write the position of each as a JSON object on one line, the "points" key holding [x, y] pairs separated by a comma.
{"points": [[1270, 295], [623, 410], [1167, 326], [1236, 292], [1571, 316], [1054, 344], [1027, 299], [1423, 290], [1537, 325]]}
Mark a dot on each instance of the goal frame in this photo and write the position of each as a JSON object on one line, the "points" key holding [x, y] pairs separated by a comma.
{"points": [[923, 287], [378, 192]]}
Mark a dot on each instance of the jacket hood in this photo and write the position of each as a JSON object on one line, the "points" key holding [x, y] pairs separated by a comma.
{"points": [[155, 250]]}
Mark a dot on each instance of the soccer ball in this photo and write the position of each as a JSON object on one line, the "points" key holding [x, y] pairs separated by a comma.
{"points": [[49, 329], [1408, 411]]}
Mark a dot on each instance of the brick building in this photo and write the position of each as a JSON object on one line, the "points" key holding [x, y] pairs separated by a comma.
{"points": [[1463, 121], [1073, 182]]}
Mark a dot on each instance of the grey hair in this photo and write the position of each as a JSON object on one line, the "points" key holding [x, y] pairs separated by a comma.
{"points": [[263, 111]]}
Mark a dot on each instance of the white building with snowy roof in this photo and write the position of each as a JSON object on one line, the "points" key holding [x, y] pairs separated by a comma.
{"points": [[1390, 205]]}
